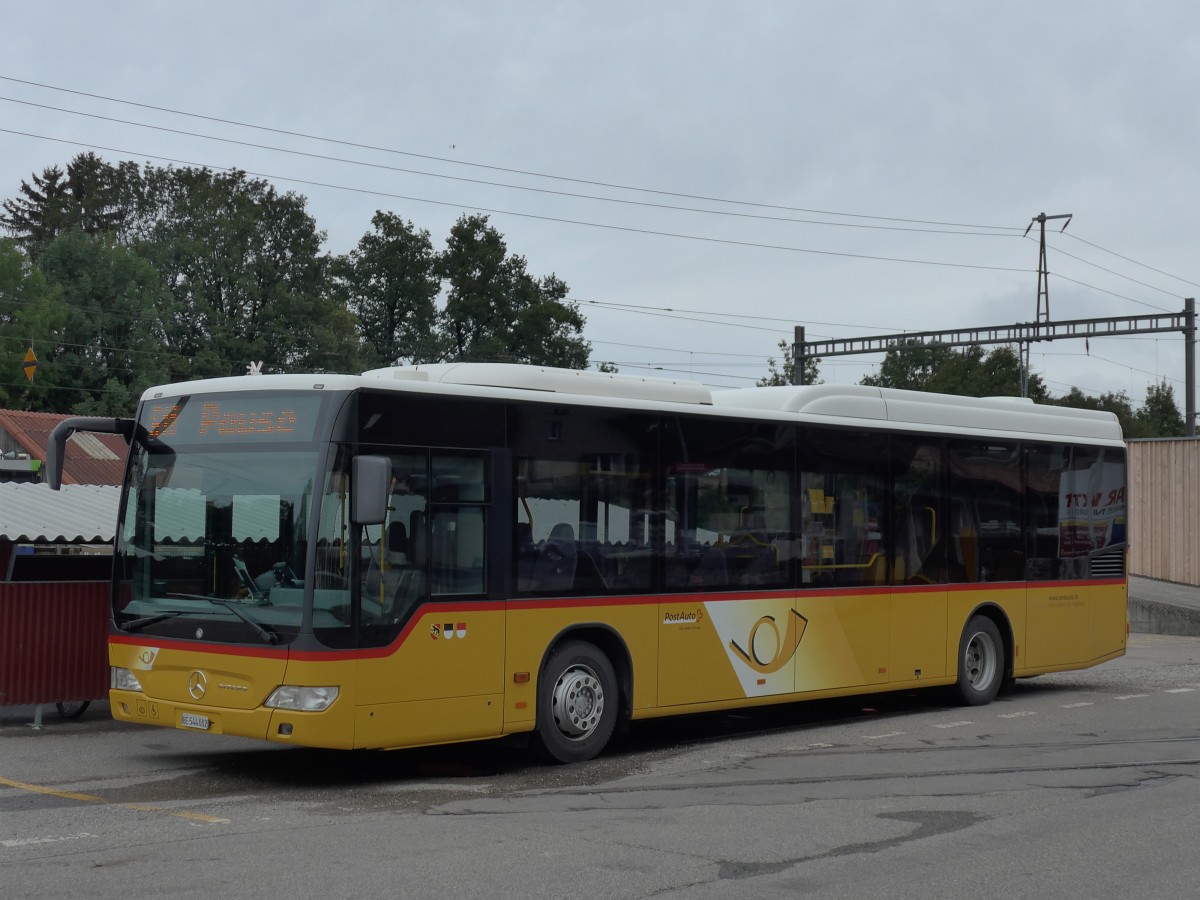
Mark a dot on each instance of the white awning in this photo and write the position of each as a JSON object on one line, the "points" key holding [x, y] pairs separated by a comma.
{"points": [[77, 514]]}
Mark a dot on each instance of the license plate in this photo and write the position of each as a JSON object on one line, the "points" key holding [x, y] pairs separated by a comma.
{"points": [[189, 720]]}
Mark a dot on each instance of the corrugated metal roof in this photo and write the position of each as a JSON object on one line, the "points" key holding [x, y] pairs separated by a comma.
{"points": [[89, 459], [79, 513], [87, 514]]}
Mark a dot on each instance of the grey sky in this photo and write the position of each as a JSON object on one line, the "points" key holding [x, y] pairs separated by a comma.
{"points": [[955, 112]]}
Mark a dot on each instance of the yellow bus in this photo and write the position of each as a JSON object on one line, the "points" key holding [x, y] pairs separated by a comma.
{"points": [[459, 552]]}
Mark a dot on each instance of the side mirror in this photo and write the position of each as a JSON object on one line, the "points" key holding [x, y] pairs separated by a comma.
{"points": [[56, 447], [369, 500]]}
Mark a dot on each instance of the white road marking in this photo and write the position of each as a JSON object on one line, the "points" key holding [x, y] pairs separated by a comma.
{"points": [[1077, 705], [1017, 715], [875, 737], [953, 724], [26, 842], [1179, 690], [1131, 696]]}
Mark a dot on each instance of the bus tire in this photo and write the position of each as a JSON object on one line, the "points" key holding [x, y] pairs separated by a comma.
{"points": [[72, 709], [980, 662], [577, 702]]}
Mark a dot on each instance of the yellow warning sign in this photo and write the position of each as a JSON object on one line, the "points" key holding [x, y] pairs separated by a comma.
{"points": [[31, 364]]}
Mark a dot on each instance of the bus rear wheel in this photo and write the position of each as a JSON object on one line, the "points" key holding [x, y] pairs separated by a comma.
{"points": [[577, 702], [980, 662]]}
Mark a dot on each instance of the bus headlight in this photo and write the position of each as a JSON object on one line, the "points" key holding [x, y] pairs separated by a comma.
{"points": [[304, 699], [123, 680]]}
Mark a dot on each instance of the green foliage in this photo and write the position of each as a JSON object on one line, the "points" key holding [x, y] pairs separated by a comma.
{"points": [[786, 374], [971, 372], [123, 276], [103, 322], [23, 298], [86, 197], [390, 283], [208, 272], [1158, 415], [244, 265], [497, 312], [1117, 403]]}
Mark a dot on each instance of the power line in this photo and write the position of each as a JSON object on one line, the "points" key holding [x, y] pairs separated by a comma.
{"points": [[1088, 262], [738, 315], [542, 218], [1112, 293], [1134, 261], [1121, 365], [515, 187], [677, 350], [514, 171]]}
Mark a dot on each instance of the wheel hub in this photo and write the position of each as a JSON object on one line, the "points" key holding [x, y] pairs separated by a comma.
{"points": [[980, 660], [578, 702]]}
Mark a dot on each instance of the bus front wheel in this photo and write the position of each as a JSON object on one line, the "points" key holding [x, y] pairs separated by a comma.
{"points": [[980, 662], [577, 702]]}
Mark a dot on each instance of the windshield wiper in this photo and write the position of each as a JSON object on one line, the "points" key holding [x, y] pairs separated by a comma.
{"points": [[264, 632], [139, 624], [268, 636]]}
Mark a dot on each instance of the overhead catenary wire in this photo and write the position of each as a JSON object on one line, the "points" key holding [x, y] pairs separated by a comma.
{"points": [[525, 215], [999, 229], [1076, 237], [515, 187], [594, 182], [1088, 262], [515, 171]]}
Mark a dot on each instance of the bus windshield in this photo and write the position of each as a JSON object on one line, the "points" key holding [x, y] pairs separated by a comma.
{"points": [[214, 533]]}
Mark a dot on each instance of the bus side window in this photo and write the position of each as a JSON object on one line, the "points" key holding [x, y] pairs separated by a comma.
{"points": [[729, 504], [986, 476], [586, 521], [843, 481], [458, 550], [919, 525], [458, 524]]}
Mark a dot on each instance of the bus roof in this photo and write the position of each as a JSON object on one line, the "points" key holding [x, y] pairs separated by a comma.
{"points": [[823, 403]]}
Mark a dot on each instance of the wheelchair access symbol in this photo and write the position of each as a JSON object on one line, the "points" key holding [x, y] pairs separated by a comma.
{"points": [[785, 649]]}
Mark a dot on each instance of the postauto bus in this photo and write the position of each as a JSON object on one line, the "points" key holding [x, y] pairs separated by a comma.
{"points": [[457, 552]]}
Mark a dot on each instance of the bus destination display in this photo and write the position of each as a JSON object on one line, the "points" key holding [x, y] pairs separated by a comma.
{"points": [[225, 418]]}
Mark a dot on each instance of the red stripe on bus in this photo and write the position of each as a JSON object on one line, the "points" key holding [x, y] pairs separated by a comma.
{"points": [[548, 603]]}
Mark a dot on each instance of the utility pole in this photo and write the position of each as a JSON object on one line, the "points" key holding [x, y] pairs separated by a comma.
{"points": [[1189, 363], [1043, 289], [799, 357]]}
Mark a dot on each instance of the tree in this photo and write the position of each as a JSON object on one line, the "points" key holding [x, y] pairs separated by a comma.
{"points": [[88, 196], [1158, 416], [970, 372], [100, 325], [787, 374], [1117, 403], [243, 263], [496, 311], [390, 283], [22, 297]]}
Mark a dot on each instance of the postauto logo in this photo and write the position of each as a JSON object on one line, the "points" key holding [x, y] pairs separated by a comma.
{"points": [[686, 617]]}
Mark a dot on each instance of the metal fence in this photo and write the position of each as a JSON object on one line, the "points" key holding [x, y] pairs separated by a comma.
{"points": [[53, 641], [1164, 509]]}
